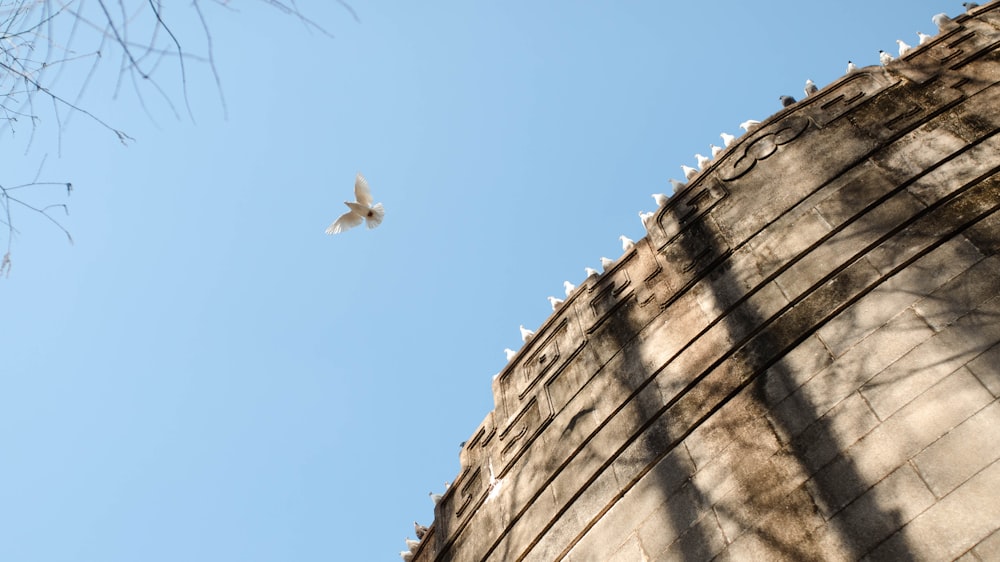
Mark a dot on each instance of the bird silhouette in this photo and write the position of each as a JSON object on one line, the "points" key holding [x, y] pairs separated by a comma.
{"points": [[361, 210]]}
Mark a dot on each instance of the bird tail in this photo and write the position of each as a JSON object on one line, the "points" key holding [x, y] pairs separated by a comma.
{"points": [[378, 213]]}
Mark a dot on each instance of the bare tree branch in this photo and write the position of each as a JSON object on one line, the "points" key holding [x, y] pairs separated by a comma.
{"points": [[41, 40]]}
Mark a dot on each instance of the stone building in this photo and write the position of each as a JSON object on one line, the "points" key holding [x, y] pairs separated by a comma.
{"points": [[800, 360]]}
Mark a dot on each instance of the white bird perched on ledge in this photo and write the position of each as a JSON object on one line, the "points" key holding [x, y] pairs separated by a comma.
{"points": [[678, 186], [727, 139], [526, 334], [436, 498], [606, 264], [716, 151], [924, 38], [660, 198], [646, 218], [627, 243], [591, 271], [689, 172], [942, 21], [903, 47], [851, 67], [510, 353], [420, 530], [406, 555], [569, 287], [811, 87], [556, 303], [361, 210], [884, 58], [702, 161], [749, 124], [412, 544]]}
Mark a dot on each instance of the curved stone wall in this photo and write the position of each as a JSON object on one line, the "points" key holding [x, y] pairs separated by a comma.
{"points": [[800, 361]]}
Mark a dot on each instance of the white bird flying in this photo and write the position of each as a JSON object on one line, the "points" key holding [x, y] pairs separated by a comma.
{"points": [[436, 498], [360, 210], [510, 353], [702, 161], [676, 185], [749, 124], [420, 530], [727, 139], [851, 67], [884, 58], [590, 271], [661, 198], [526, 334], [924, 38], [689, 172], [556, 303], [412, 544], [941, 21], [627, 243], [646, 218], [810, 88], [606, 264], [716, 150], [569, 287], [903, 47]]}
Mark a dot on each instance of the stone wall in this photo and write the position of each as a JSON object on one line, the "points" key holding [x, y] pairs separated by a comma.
{"points": [[800, 361]]}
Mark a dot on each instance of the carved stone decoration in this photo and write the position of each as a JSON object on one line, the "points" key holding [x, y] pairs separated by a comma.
{"points": [[764, 144]]}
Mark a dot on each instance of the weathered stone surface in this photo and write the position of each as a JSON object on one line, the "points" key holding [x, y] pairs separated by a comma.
{"points": [[801, 361]]}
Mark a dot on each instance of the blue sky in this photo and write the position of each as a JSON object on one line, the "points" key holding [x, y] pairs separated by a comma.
{"points": [[205, 375]]}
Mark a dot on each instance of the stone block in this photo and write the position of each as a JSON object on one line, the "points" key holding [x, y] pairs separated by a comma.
{"points": [[951, 526], [988, 548], [797, 367], [902, 436], [978, 283], [962, 452], [933, 359], [682, 509], [986, 367], [847, 373], [701, 541], [883, 509], [836, 431]]}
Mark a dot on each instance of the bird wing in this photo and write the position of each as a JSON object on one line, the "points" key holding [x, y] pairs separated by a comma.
{"points": [[361, 191], [350, 219]]}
